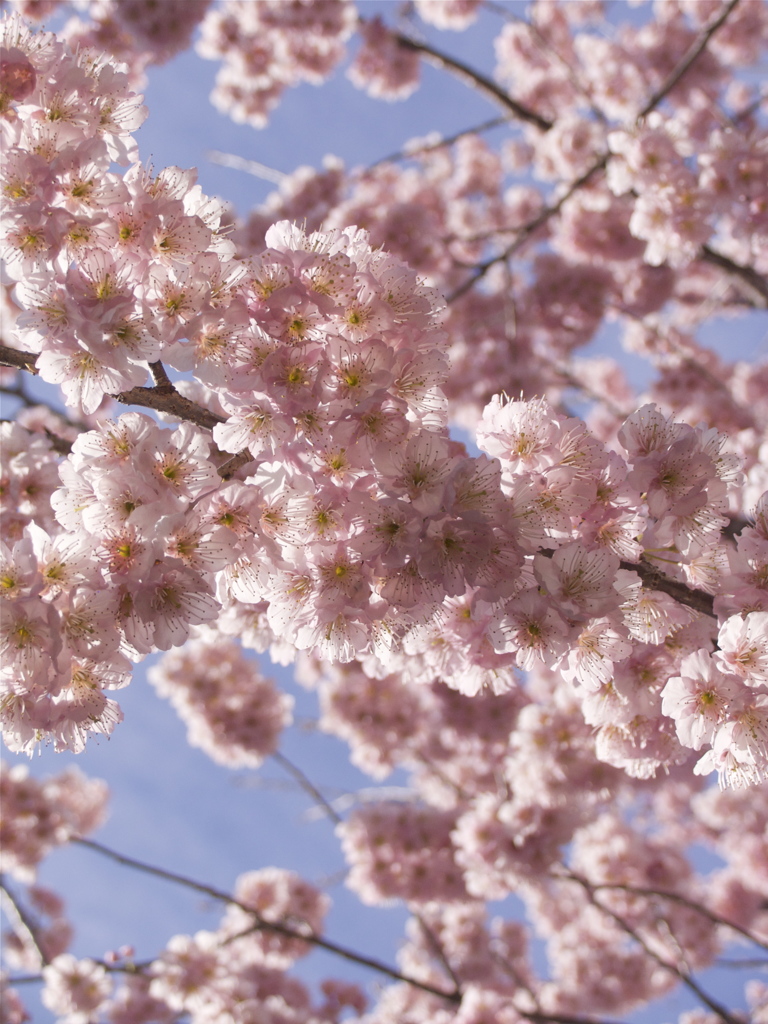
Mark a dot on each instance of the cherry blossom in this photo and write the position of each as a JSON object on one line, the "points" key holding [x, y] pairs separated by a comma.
{"points": [[554, 629]]}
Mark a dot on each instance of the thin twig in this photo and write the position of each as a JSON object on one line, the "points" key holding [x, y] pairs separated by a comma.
{"points": [[270, 926], [240, 163], [437, 948], [549, 50], [21, 920], [682, 976], [476, 79], [695, 51], [428, 147], [685, 902], [308, 786], [529, 229]]}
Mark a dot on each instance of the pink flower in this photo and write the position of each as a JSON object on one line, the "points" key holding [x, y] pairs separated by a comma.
{"points": [[700, 699]]}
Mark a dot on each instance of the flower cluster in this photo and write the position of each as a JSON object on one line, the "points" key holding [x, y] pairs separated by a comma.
{"points": [[233, 713], [38, 816], [268, 45], [560, 635]]}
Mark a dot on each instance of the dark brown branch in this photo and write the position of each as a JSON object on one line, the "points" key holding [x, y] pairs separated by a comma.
{"points": [[682, 67], [260, 924], [19, 360], [171, 402], [160, 377], [756, 282], [698, 600], [475, 79]]}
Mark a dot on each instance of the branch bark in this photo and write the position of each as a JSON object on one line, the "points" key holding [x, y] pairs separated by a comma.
{"points": [[699, 600]]}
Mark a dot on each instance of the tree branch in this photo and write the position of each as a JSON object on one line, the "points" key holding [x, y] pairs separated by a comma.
{"points": [[172, 402], [21, 920], [532, 226], [685, 902], [160, 376], [683, 976], [261, 924], [549, 50], [428, 147], [163, 397], [695, 51], [231, 466], [756, 282], [308, 786], [17, 359], [475, 79], [699, 600]]}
